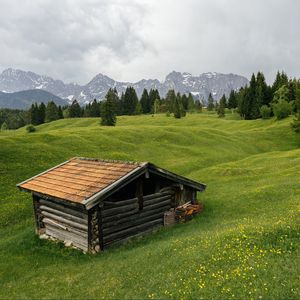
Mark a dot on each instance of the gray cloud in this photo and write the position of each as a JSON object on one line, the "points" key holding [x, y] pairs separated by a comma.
{"points": [[134, 39]]}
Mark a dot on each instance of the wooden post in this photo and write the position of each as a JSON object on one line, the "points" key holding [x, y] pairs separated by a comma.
{"points": [[100, 226], [90, 231], [38, 220], [139, 193]]}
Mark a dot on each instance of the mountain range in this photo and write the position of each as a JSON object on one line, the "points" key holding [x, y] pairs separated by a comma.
{"points": [[14, 80]]}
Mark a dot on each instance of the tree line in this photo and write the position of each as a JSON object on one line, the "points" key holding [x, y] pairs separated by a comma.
{"points": [[260, 100], [108, 109], [257, 100]]}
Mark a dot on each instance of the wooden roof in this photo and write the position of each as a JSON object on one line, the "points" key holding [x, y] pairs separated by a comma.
{"points": [[86, 181], [79, 178]]}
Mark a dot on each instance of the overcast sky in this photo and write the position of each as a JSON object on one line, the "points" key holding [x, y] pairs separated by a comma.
{"points": [[128, 40]]}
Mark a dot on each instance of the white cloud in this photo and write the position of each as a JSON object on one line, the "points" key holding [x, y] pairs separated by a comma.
{"points": [[134, 39]]}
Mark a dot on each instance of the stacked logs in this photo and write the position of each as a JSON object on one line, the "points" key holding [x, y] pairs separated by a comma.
{"points": [[186, 212]]}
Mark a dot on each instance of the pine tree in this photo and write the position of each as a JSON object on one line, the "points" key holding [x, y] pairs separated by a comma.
{"points": [[221, 107], [34, 114], [130, 101], [60, 113], [261, 90], [170, 101], [210, 103], [145, 102], [153, 95], [94, 109], [185, 102], [191, 103], [138, 108], [254, 107], [108, 109], [280, 80], [198, 106], [177, 108], [51, 112], [157, 106], [232, 100], [74, 110], [42, 113]]}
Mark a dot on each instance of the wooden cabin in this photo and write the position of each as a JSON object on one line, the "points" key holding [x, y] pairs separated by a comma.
{"points": [[92, 204]]}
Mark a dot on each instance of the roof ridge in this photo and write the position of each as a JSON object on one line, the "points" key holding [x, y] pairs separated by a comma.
{"points": [[110, 160]]}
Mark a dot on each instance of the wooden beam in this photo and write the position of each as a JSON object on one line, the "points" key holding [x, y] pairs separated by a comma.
{"points": [[65, 221], [63, 214], [63, 207], [132, 230]]}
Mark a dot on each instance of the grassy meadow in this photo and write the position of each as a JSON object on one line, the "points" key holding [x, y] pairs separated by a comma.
{"points": [[244, 245]]}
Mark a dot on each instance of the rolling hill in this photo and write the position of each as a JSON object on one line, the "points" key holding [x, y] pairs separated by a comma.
{"points": [[244, 245], [24, 99]]}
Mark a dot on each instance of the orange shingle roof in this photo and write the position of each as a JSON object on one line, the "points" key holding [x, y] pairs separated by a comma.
{"points": [[79, 178]]}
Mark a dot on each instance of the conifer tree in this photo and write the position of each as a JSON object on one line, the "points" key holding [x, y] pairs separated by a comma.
{"points": [[210, 103], [170, 101], [177, 107], [130, 101], [198, 106], [60, 113], [108, 109], [153, 95], [138, 108], [191, 103], [94, 109], [261, 90], [221, 107], [51, 112], [232, 100], [42, 113], [145, 102], [34, 114], [75, 110], [185, 102]]}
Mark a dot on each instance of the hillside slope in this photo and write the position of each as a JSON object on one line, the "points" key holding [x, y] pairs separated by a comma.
{"points": [[24, 99], [244, 245]]}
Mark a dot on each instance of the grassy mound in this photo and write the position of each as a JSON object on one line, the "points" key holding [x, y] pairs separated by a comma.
{"points": [[244, 245]]}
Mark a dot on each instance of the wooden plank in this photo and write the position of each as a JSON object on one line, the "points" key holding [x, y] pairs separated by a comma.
{"points": [[162, 203], [131, 230], [157, 200], [55, 192], [111, 204], [65, 221], [81, 244], [100, 227], [121, 215], [67, 185], [132, 222], [63, 214], [155, 195], [65, 227], [143, 213], [67, 209], [125, 208]]}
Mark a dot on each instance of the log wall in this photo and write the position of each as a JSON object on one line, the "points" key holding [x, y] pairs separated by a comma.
{"points": [[64, 223], [127, 218]]}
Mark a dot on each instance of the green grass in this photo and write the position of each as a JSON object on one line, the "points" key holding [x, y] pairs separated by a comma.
{"points": [[244, 245]]}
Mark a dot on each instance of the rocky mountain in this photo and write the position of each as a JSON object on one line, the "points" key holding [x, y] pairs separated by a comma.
{"points": [[24, 99], [12, 80], [200, 86]]}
